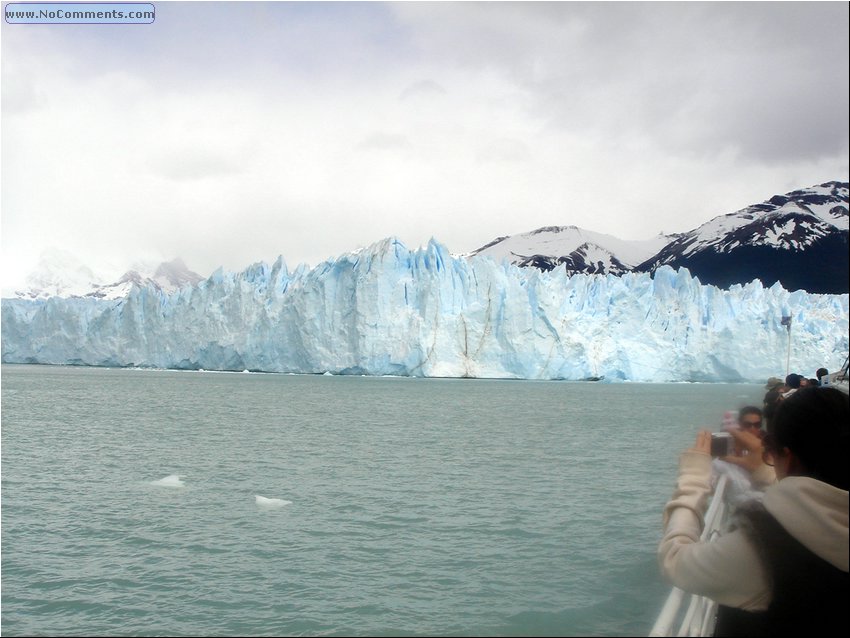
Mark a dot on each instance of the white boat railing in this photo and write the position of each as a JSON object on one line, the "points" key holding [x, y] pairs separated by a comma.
{"points": [[688, 614], [838, 379]]}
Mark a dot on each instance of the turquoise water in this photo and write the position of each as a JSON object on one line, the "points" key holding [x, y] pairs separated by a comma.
{"points": [[418, 506]]}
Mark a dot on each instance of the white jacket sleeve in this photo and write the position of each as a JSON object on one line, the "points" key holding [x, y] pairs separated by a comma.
{"points": [[727, 570]]}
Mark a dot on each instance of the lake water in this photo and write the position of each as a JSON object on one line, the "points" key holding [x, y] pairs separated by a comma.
{"points": [[417, 506]]}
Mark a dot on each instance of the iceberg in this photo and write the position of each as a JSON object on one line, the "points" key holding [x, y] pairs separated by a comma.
{"points": [[172, 480], [389, 310], [270, 503]]}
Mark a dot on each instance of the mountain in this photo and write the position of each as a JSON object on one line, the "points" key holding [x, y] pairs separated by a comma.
{"points": [[167, 277], [798, 239], [579, 249], [387, 310], [61, 274]]}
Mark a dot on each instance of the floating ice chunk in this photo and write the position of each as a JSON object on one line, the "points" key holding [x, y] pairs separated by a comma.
{"points": [[270, 503], [172, 480]]}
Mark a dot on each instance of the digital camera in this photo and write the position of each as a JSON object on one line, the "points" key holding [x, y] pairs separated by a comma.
{"points": [[722, 444]]}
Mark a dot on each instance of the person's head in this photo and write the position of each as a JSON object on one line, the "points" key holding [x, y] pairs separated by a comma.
{"points": [[808, 436], [793, 381], [771, 402], [822, 372], [749, 418], [773, 383]]}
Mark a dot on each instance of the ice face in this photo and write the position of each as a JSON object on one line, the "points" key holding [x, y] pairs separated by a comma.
{"points": [[391, 310]]}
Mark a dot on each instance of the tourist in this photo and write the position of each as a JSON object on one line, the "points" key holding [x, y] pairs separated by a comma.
{"points": [[750, 420], [782, 569], [746, 481]]}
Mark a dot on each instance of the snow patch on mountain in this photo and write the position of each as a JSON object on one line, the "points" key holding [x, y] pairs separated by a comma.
{"points": [[59, 273], [554, 245], [788, 222]]}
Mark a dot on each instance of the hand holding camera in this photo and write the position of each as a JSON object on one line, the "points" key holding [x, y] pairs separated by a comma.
{"points": [[752, 446], [723, 443], [732, 445]]}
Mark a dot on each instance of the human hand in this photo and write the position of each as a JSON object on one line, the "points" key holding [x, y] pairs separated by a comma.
{"points": [[703, 443], [752, 446]]}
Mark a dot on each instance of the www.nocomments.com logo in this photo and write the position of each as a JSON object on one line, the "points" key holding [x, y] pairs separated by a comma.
{"points": [[80, 13]]}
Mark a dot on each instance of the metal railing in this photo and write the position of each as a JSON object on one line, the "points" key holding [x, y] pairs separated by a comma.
{"points": [[688, 614]]}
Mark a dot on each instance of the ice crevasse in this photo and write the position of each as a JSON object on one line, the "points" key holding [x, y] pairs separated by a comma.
{"points": [[389, 310]]}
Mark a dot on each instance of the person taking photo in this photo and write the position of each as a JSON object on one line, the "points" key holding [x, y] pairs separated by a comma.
{"points": [[782, 568]]}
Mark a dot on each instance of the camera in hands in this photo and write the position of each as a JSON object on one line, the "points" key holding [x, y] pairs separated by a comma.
{"points": [[722, 444]]}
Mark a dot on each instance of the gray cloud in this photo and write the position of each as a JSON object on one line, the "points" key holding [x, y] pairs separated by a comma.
{"points": [[424, 89], [769, 79], [281, 125]]}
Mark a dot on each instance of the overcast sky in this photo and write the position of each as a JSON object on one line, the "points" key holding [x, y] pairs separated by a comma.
{"points": [[230, 133]]}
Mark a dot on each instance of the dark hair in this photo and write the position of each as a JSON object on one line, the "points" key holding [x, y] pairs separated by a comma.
{"points": [[814, 423], [749, 409], [822, 372], [771, 402], [793, 381]]}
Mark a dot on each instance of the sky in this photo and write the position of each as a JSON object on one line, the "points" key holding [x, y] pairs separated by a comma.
{"points": [[228, 133]]}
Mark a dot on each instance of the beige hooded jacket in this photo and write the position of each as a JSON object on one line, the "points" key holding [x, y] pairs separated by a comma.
{"points": [[729, 570]]}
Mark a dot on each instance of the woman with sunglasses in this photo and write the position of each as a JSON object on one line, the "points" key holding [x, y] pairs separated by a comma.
{"points": [[782, 569]]}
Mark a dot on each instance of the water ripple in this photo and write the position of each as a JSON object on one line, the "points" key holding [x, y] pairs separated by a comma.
{"points": [[428, 508]]}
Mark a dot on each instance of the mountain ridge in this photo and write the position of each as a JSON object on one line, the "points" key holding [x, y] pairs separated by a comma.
{"points": [[61, 274], [798, 239]]}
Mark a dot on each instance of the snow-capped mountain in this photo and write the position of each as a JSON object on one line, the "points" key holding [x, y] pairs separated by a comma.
{"points": [[168, 277], [798, 239], [579, 249], [61, 274]]}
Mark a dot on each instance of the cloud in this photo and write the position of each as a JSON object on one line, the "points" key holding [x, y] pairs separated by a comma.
{"points": [[385, 142], [20, 93], [193, 164], [424, 89], [504, 150], [770, 80], [229, 133]]}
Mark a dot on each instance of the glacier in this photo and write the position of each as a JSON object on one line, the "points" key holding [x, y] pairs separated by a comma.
{"points": [[389, 310]]}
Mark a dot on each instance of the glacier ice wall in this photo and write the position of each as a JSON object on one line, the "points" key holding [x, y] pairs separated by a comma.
{"points": [[390, 310]]}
